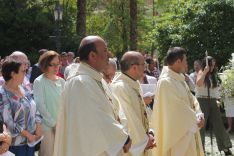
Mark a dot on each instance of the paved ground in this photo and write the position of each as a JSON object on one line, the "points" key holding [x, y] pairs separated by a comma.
{"points": [[213, 150], [210, 150]]}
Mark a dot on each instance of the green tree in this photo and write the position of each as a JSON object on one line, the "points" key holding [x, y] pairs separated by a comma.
{"points": [[133, 24], [81, 19], [23, 25], [197, 26]]}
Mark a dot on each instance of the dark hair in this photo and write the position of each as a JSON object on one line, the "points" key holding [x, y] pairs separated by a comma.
{"points": [[10, 65], [198, 61], [46, 58], [63, 54], [127, 62], [213, 75], [42, 51], [83, 51], [76, 60], [149, 60], [174, 54]]}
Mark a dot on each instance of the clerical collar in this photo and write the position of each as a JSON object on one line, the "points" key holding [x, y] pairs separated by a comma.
{"points": [[85, 63], [129, 77], [86, 69], [168, 72], [175, 75]]}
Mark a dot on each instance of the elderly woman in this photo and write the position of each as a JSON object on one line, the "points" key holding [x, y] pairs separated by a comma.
{"points": [[47, 92], [18, 109]]}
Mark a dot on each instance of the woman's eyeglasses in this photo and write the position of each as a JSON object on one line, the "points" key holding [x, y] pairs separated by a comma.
{"points": [[54, 65]]}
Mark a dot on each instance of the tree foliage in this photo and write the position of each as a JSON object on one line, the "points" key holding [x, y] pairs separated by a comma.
{"points": [[23, 25], [28, 25], [197, 26]]}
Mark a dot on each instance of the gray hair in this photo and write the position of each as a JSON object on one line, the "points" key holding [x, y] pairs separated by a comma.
{"points": [[113, 63], [19, 56], [129, 58]]}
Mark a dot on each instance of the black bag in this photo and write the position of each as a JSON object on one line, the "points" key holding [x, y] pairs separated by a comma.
{"points": [[221, 108], [37, 147], [1, 125]]}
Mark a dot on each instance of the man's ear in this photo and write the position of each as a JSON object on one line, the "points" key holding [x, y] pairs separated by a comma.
{"points": [[178, 61], [134, 67], [92, 55]]}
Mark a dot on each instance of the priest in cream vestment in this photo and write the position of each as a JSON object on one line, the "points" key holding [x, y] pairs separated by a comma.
{"points": [[176, 115], [87, 123], [126, 89]]}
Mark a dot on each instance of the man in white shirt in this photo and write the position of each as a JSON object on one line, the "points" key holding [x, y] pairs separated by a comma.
{"points": [[196, 67]]}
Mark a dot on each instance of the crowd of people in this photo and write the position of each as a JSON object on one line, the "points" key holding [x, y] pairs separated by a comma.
{"points": [[84, 106]]}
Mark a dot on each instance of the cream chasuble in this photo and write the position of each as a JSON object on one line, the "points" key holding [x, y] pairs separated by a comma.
{"points": [[87, 124], [118, 110], [129, 95], [174, 117]]}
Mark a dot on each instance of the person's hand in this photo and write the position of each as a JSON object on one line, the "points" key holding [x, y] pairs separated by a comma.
{"points": [[201, 122], [37, 136], [7, 138], [4, 147], [2, 137], [151, 142], [148, 100], [206, 69], [127, 146], [31, 138], [38, 132]]}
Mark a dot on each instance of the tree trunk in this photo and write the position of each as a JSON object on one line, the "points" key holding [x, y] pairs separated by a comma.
{"points": [[133, 24], [124, 34], [81, 19]]}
